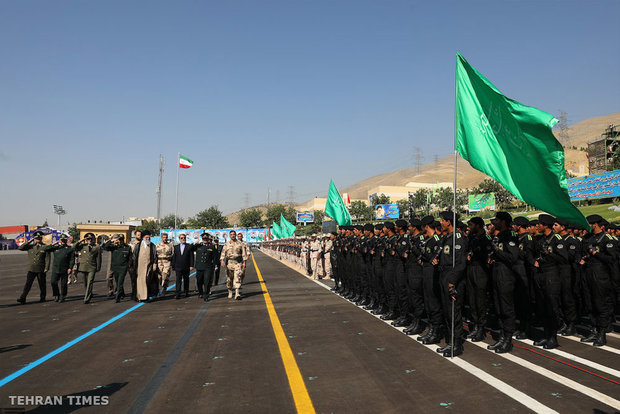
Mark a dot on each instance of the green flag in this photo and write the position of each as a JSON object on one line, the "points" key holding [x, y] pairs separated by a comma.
{"points": [[335, 208], [288, 229], [512, 143], [276, 231]]}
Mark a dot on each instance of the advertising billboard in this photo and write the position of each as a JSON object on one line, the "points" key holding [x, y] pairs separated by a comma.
{"points": [[479, 202], [253, 235], [595, 186], [386, 211], [305, 217]]}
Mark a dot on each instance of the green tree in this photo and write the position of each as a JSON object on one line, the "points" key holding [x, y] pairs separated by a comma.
{"points": [[152, 226], [251, 218], [360, 211], [420, 199], [403, 208], [319, 215], [380, 199], [167, 222], [73, 231], [211, 218], [502, 196], [274, 211]]}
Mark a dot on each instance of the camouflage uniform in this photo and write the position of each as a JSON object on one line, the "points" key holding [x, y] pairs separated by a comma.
{"points": [[315, 248], [233, 255], [165, 251], [329, 246]]}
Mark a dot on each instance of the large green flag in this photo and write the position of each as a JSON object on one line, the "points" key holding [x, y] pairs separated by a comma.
{"points": [[512, 143], [288, 229], [335, 208], [276, 231]]}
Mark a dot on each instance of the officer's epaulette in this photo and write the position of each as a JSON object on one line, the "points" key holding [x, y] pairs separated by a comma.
{"points": [[558, 236], [488, 236], [458, 235], [406, 235], [436, 237], [529, 237], [579, 238], [513, 234]]}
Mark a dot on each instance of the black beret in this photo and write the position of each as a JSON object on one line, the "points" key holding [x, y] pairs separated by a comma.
{"points": [[437, 225], [504, 216], [427, 220], [476, 220], [89, 236], [534, 222], [546, 219], [449, 215], [415, 222], [359, 227], [389, 225], [594, 218], [521, 221], [368, 227], [378, 226], [605, 223], [460, 225], [402, 224], [561, 222]]}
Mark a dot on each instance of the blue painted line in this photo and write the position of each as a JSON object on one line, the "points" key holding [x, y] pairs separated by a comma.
{"points": [[68, 345]]}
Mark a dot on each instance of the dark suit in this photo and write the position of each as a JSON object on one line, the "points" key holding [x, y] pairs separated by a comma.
{"points": [[181, 264]]}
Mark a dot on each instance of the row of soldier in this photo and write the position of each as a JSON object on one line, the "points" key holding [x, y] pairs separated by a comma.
{"points": [[513, 275], [149, 265], [312, 254]]}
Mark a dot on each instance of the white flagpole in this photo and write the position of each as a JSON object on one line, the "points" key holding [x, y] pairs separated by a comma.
{"points": [[453, 248], [176, 210]]}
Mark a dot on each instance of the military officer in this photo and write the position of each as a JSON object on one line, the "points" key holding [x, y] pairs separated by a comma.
{"points": [[478, 278], [165, 251], [218, 252], [121, 260], [133, 272], [233, 259], [315, 251], [247, 250], [64, 258], [37, 266], [205, 261], [90, 263]]}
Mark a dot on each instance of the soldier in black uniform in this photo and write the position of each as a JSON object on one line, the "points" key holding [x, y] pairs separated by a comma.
{"points": [[218, 251], [478, 278], [599, 258], [551, 253], [389, 273], [206, 259], [524, 270], [121, 260], [64, 259], [378, 263], [430, 282], [38, 265], [451, 263], [402, 246], [567, 279], [415, 291], [503, 257], [367, 273]]}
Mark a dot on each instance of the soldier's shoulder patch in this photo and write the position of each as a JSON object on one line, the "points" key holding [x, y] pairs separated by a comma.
{"points": [[488, 237], [572, 247], [609, 245], [446, 249], [436, 237], [529, 237], [458, 235], [558, 236], [512, 243], [457, 247], [560, 246]]}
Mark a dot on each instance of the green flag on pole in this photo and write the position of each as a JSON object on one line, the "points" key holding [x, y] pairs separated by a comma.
{"points": [[335, 208], [288, 229], [277, 232], [512, 143]]}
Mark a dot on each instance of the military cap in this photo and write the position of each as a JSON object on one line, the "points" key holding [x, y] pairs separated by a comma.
{"points": [[359, 227], [64, 237], [534, 222], [504, 216], [594, 218], [205, 235], [561, 222], [605, 223], [415, 222], [437, 225], [427, 220], [401, 223], [89, 236], [449, 215], [477, 221], [37, 234], [521, 221], [461, 226], [378, 226], [368, 227], [389, 225], [546, 219]]}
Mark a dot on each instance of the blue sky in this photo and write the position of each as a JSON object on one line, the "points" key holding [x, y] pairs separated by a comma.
{"points": [[264, 94]]}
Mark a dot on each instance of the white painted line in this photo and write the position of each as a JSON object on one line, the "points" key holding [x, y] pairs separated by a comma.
{"points": [[614, 335], [604, 348], [579, 360], [499, 385], [567, 382]]}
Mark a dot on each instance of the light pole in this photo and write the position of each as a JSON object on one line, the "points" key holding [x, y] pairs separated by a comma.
{"points": [[60, 211]]}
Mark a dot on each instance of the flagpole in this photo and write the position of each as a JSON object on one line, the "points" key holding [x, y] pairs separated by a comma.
{"points": [[456, 86], [176, 210]]}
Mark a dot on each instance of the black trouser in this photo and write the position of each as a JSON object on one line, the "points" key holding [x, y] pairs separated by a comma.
{"points": [[133, 276], [432, 301], [549, 291], [378, 275], [401, 289], [569, 311], [204, 278], [503, 282], [389, 280], [477, 288], [601, 290], [523, 304], [61, 277], [119, 278], [334, 263], [415, 290], [446, 301], [182, 276], [30, 277], [359, 274], [216, 276]]}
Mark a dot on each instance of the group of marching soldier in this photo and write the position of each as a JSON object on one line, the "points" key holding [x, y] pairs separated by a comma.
{"points": [[312, 254], [513, 274], [149, 265]]}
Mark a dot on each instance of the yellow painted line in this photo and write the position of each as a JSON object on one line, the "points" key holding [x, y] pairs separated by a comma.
{"points": [[303, 403]]}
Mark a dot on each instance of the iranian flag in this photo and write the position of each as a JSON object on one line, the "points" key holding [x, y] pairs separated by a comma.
{"points": [[185, 162]]}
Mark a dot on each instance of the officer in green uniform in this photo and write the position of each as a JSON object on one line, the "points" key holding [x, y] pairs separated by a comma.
{"points": [[64, 259], [121, 260], [38, 265], [218, 251], [206, 256], [90, 263]]}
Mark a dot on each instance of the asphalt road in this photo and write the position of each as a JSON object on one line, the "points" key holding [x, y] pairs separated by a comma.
{"points": [[222, 356]]}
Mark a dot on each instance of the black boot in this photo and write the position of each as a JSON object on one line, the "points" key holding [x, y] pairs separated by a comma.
{"points": [[601, 338], [389, 316], [421, 338], [404, 321], [480, 336], [570, 330], [415, 328], [380, 310], [551, 343], [562, 328], [474, 332], [592, 337], [458, 349], [540, 342], [443, 349], [365, 302], [433, 338], [520, 335], [505, 346], [497, 344]]}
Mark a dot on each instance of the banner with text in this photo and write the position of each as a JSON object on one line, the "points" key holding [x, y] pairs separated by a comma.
{"points": [[595, 186]]}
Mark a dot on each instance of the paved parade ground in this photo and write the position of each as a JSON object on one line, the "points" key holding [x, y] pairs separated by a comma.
{"points": [[290, 345]]}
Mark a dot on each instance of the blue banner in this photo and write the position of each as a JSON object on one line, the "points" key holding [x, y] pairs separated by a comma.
{"points": [[386, 211], [253, 235], [50, 235], [595, 186], [306, 217]]}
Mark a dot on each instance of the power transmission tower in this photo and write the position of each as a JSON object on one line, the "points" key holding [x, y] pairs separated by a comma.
{"points": [[418, 157], [291, 194], [246, 200], [162, 162], [563, 128], [277, 196], [436, 160]]}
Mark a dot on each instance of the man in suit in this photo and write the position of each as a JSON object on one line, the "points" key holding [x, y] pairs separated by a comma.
{"points": [[182, 263]]}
